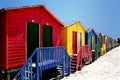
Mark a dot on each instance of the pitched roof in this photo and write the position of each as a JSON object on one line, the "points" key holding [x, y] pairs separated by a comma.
{"points": [[43, 6], [92, 29], [68, 24]]}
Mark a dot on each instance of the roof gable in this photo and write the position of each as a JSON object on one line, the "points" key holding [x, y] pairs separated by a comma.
{"points": [[32, 6], [81, 25], [69, 24], [53, 16], [91, 29]]}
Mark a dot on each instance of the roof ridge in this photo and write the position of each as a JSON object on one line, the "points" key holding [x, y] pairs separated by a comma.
{"points": [[18, 7]]}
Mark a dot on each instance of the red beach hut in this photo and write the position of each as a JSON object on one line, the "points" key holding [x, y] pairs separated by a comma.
{"points": [[22, 29]]}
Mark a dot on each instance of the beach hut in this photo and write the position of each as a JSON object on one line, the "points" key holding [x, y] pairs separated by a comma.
{"points": [[114, 43], [91, 38], [106, 42], [109, 43], [73, 36], [99, 44], [22, 29], [99, 38], [103, 48]]}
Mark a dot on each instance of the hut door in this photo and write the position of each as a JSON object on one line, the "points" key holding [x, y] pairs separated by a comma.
{"points": [[74, 42], [79, 41], [92, 42], [32, 37], [47, 36]]}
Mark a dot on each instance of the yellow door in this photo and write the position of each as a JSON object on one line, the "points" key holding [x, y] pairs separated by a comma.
{"points": [[92, 42]]}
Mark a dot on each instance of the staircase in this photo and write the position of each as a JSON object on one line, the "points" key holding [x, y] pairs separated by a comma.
{"points": [[76, 61], [73, 63], [46, 58], [84, 56]]}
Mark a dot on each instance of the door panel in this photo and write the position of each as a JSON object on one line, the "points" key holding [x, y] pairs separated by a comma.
{"points": [[47, 36], [92, 42], [79, 40], [74, 42], [32, 37]]}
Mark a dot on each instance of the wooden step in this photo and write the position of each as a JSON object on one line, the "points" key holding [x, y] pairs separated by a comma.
{"points": [[72, 71], [73, 64], [74, 54], [74, 58], [86, 63], [73, 61]]}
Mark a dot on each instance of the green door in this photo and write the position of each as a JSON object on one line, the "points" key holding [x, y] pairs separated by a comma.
{"points": [[32, 37], [47, 36]]}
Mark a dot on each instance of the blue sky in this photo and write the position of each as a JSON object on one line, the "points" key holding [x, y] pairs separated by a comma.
{"points": [[102, 15]]}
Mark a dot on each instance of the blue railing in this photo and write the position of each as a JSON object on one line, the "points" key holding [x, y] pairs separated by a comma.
{"points": [[46, 58]]}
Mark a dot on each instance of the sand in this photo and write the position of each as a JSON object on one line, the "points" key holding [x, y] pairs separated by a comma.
{"points": [[107, 67]]}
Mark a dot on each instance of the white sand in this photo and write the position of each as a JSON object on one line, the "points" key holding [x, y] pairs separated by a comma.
{"points": [[107, 67]]}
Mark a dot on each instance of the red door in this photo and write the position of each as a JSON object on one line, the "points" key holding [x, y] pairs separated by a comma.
{"points": [[74, 45]]}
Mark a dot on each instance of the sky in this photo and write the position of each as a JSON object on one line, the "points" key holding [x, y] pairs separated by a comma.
{"points": [[102, 15]]}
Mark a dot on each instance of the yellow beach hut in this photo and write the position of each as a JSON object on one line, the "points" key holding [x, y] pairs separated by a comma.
{"points": [[73, 36], [106, 42], [103, 48]]}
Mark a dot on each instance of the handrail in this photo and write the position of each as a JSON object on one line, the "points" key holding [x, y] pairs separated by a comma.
{"points": [[67, 62], [84, 53], [29, 60], [46, 58]]}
